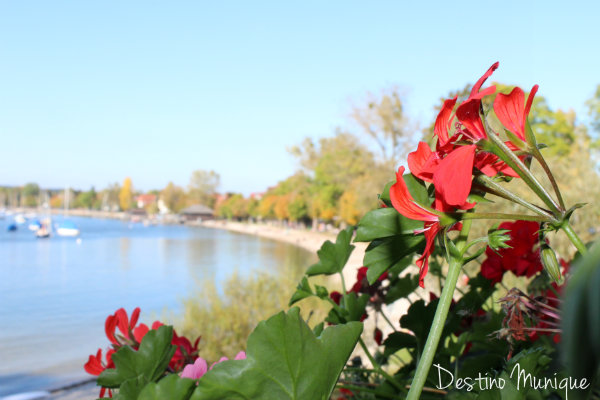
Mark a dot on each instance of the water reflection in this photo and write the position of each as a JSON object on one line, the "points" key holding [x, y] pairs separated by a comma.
{"points": [[55, 294]]}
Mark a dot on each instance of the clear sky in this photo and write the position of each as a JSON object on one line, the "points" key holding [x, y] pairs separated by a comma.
{"points": [[94, 91]]}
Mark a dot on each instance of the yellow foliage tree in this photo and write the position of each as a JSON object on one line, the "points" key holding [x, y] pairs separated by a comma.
{"points": [[126, 195], [348, 211], [282, 207]]}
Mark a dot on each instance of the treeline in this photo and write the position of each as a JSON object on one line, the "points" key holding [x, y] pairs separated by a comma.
{"points": [[117, 197]]}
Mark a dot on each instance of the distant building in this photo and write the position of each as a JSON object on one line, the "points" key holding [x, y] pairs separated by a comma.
{"points": [[197, 212], [257, 196], [144, 200]]}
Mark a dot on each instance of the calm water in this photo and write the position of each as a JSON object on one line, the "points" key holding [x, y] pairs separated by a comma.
{"points": [[56, 293]]}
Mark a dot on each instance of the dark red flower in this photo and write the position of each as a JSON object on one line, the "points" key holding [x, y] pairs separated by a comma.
{"points": [[336, 297], [378, 336], [522, 257]]}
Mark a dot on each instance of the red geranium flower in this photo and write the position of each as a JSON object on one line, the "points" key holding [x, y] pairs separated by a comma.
{"points": [[522, 257]]}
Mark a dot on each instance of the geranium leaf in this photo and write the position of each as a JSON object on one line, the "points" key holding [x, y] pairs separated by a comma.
{"points": [[303, 291], [385, 222], [285, 360], [384, 254], [146, 365], [333, 257], [172, 387]]}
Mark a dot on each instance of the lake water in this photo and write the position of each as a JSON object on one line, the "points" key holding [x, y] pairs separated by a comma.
{"points": [[56, 293]]}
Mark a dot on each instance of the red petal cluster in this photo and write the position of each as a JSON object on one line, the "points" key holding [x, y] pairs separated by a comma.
{"points": [[523, 256], [124, 331]]}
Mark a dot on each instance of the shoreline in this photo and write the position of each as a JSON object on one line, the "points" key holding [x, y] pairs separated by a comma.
{"points": [[304, 238]]}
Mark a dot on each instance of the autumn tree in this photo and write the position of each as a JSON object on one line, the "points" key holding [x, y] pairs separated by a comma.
{"points": [[202, 187], [174, 197], [126, 195]]}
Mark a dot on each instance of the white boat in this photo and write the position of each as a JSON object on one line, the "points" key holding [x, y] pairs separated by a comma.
{"points": [[34, 225], [20, 219], [67, 228]]}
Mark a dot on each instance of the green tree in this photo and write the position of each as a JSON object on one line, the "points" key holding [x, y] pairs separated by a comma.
{"points": [[203, 186], [174, 197], [30, 193], [86, 199]]}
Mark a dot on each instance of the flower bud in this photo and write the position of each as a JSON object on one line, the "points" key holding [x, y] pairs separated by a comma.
{"points": [[498, 238], [550, 263]]}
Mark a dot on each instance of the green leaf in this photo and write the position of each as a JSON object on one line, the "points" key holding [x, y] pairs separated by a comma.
{"points": [[401, 288], [172, 387], [417, 189], [385, 194], [355, 305], [385, 222], [384, 254], [303, 291], [580, 317], [333, 257], [418, 319], [398, 341], [146, 365], [285, 361]]}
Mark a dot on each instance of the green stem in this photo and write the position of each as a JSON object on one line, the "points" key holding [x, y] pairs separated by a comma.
{"points": [[436, 331], [575, 239], [500, 191], [439, 318], [343, 282], [380, 370], [517, 165], [524, 217], [538, 156], [387, 320]]}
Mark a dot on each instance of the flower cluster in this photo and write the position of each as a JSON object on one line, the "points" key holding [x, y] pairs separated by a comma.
{"points": [[461, 153], [522, 257], [124, 331]]}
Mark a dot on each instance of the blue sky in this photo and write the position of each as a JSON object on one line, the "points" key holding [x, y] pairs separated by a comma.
{"points": [[94, 91]]}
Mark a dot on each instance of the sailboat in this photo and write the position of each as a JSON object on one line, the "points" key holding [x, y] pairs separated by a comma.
{"points": [[67, 227]]}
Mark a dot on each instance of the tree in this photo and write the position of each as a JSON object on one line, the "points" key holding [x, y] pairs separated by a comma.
{"points": [[86, 199], [126, 195], [174, 197], [593, 106], [382, 119], [31, 192], [203, 186]]}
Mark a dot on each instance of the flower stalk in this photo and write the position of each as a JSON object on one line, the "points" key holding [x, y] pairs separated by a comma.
{"points": [[441, 313]]}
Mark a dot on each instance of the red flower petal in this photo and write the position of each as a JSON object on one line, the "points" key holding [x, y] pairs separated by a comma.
{"points": [[509, 110], [109, 328], [443, 121], [134, 318], [423, 162], [123, 321], [404, 203], [481, 80], [453, 177], [468, 115]]}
